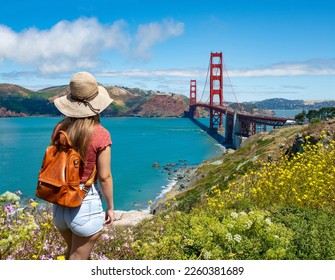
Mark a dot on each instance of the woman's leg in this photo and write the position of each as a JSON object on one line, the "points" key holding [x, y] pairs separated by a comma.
{"points": [[67, 235], [82, 246]]}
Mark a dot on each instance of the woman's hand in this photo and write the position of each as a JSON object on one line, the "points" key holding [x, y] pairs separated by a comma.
{"points": [[109, 217]]}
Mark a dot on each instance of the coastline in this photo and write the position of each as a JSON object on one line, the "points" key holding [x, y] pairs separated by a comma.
{"points": [[184, 177]]}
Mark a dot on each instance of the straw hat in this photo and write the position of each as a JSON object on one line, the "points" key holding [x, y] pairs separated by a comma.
{"points": [[86, 97]]}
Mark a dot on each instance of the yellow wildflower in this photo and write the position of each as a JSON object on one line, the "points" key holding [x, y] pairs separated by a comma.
{"points": [[34, 203]]}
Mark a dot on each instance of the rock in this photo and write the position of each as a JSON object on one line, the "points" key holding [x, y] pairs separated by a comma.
{"points": [[180, 176], [130, 218], [230, 151], [217, 162], [182, 186], [282, 145]]}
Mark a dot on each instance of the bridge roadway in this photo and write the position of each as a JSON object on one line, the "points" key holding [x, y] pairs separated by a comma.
{"points": [[241, 124]]}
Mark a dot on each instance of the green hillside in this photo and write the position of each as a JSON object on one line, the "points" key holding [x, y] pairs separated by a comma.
{"points": [[21, 101]]}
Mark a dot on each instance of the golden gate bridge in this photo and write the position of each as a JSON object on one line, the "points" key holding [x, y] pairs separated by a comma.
{"points": [[238, 124]]}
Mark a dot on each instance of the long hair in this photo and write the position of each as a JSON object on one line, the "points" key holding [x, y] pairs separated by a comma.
{"points": [[80, 132]]}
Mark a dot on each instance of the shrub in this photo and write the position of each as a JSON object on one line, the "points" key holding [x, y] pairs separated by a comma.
{"points": [[27, 232], [115, 243], [202, 235], [314, 237], [305, 180]]}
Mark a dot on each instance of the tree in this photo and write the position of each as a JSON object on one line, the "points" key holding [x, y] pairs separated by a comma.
{"points": [[313, 114], [300, 118]]}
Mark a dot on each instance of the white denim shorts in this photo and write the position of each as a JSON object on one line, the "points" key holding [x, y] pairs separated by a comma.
{"points": [[84, 220]]}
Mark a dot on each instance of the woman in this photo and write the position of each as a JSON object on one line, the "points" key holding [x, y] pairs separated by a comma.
{"points": [[80, 226]]}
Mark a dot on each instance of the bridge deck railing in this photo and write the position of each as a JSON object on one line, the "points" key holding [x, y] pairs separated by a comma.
{"points": [[260, 119]]}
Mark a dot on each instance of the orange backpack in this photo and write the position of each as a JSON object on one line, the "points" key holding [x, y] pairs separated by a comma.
{"points": [[59, 180]]}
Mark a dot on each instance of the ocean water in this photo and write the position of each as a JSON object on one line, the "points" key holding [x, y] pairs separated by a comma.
{"points": [[137, 144], [287, 113]]}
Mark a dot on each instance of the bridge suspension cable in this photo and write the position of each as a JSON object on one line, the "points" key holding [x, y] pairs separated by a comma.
{"points": [[205, 85], [232, 88]]}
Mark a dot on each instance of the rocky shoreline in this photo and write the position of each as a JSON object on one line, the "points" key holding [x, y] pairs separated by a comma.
{"points": [[181, 176], [184, 176]]}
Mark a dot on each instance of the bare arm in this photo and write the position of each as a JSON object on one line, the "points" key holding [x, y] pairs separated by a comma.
{"points": [[106, 182]]}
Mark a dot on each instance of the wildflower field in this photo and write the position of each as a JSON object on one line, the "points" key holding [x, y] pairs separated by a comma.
{"points": [[279, 208]]}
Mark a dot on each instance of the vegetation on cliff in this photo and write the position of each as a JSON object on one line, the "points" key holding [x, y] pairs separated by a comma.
{"points": [[272, 199], [311, 115]]}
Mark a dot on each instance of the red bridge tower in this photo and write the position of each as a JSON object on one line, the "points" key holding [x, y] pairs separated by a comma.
{"points": [[193, 92], [216, 91]]}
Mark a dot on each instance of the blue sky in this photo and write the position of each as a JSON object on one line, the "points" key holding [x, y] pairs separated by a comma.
{"points": [[271, 49]]}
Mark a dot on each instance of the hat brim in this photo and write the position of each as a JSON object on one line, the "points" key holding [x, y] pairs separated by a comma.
{"points": [[76, 109]]}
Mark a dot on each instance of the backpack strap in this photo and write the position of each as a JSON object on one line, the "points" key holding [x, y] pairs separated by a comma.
{"points": [[91, 179], [64, 139]]}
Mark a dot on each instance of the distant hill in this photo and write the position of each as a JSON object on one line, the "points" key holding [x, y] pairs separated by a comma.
{"points": [[18, 101], [285, 104]]}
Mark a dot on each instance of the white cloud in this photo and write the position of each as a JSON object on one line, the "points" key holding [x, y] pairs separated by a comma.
{"points": [[185, 73], [315, 67], [78, 44], [310, 68], [65, 46], [304, 73], [150, 34]]}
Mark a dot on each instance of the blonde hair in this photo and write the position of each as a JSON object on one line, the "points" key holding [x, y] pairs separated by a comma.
{"points": [[80, 131]]}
